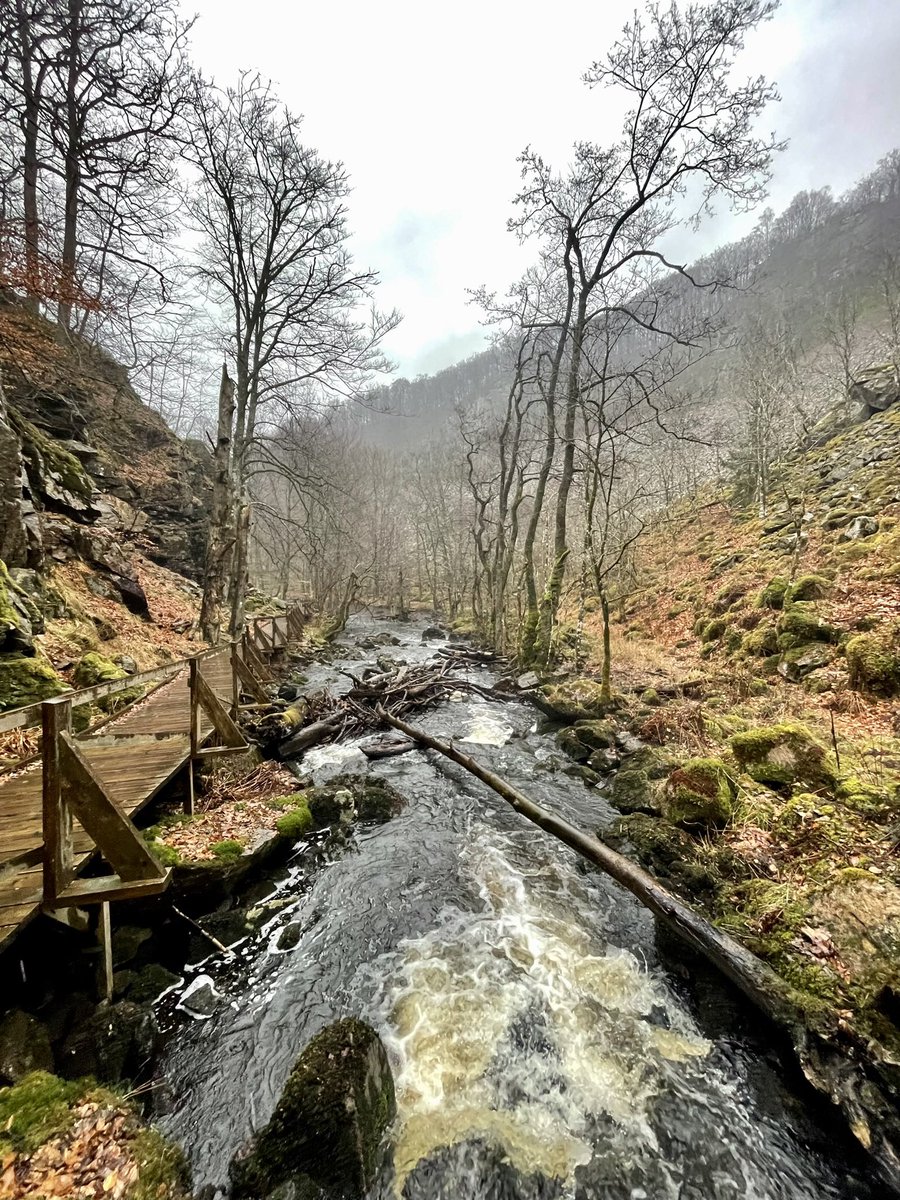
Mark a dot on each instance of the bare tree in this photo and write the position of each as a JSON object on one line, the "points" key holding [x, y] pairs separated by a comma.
{"points": [[274, 257], [688, 135]]}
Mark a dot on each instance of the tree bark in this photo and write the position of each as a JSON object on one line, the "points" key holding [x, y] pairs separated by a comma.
{"points": [[220, 542]]}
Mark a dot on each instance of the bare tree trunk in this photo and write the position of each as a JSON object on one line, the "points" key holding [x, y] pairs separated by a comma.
{"points": [[220, 543], [72, 174]]}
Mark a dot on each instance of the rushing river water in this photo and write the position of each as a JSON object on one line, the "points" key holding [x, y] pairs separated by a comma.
{"points": [[539, 1047]]}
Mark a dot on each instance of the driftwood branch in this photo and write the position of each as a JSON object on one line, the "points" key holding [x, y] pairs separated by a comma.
{"points": [[758, 982]]}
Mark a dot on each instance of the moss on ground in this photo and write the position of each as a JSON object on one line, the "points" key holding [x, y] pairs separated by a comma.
{"points": [[35, 1110], [227, 851]]}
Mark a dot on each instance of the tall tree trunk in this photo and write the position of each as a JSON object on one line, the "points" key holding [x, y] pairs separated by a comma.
{"points": [[30, 161], [552, 593], [72, 174], [221, 538]]}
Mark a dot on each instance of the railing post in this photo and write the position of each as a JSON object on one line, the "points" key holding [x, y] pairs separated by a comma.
{"points": [[57, 819], [193, 668], [235, 683]]}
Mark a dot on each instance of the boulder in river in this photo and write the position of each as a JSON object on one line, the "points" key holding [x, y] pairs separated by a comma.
{"points": [[432, 633], [328, 1125]]}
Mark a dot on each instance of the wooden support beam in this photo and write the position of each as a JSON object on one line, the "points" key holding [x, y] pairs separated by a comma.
{"points": [[261, 636], [249, 680], [256, 664], [216, 711], [115, 836], [105, 932], [57, 817], [100, 888]]}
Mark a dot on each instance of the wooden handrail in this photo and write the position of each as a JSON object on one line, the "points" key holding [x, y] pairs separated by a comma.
{"points": [[29, 715]]}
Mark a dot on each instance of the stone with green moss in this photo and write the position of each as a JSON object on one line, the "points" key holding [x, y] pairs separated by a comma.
{"points": [[52, 470], [24, 1047], [800, 624], [17, 618], [783, 755], [666, 851], [873, 662], [713, 630], [93, 669], [762, 641], [329, 1123], [26, 680], [580, 740], [296, 821], [801, 661], [579, 699], [700, 794], [808, 587], [772, 595]]}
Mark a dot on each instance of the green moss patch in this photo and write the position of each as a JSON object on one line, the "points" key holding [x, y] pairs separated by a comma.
{"points": [[227, 851], [576, 700], [35, 1110], [772, 595], [800, 624], [873, 662]]}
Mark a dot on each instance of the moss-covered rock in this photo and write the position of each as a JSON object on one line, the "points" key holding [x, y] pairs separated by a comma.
{"points": [[227, 851], [116, 1043], [796, 664], [783, 755], [636, 786], [26, 680], [873, 662], [93, 669], [330, 1119], [296, 821], [713, 630], [808, 587], [700, 794], [667, 852], [800, 624], [578, 699], [580, 740], [772, 595], [35, 1110], [762, 641]]}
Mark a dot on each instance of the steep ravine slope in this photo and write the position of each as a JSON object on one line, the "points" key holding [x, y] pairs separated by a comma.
{"points": [[102, 522], [759, 661]]}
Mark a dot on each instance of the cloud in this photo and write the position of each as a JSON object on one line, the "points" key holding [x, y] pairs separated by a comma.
{"points": [[429, 106]]}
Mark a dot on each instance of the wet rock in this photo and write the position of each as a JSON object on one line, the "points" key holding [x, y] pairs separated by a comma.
{"points": [[24, 1047], [432, 633], [583, 738], [149, 984], [529, 680], [328, 762], [289, 936], [330, 1119], [115, 1043], [127, 941], [201, 999]]}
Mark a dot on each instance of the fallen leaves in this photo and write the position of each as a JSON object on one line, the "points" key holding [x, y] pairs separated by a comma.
{"points": [[92, 1159]]}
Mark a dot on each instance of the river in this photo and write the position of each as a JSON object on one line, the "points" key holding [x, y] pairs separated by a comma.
{"points": [[540, 1046]]}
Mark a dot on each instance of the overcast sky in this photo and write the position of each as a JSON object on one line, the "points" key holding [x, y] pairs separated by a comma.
{"points": [[428, 105]]}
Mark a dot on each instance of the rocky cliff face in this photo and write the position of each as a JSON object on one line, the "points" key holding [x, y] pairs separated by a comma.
{"points": [[96, 493], [77, 442]]}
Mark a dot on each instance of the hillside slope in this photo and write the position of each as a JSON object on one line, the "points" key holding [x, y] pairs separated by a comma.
{"points": [[760, 664], [102, 518]]}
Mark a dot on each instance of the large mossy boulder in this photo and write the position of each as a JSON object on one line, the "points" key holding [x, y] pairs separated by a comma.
{"points": [[27, 680], [800, 624], [329, 1123], [636, 786], [669, 853], [873, 662], [579, 699], [93, 669], [783, 755], [700, 794]]}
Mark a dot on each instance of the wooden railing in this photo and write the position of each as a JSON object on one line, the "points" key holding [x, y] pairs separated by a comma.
{"points": [[72, 790]]}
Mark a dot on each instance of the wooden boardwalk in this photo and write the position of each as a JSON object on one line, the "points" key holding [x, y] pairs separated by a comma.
{"points": [[132, 758]]}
